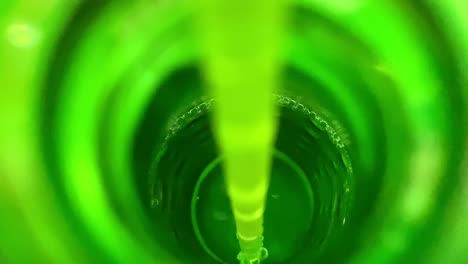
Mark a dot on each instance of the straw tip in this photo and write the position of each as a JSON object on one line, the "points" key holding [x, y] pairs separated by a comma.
{"points": [[253, 257]]}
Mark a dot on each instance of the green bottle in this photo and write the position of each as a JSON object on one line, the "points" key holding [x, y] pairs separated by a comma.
{"points": [[107, 154]]}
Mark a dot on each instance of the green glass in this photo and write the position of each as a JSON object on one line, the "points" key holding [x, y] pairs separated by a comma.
{"points": [[92, 89], [187, 183]]}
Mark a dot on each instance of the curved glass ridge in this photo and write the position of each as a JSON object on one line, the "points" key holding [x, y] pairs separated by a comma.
{"points": [[95, 93]]}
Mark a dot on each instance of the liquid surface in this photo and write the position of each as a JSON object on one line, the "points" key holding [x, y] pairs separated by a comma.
{"points": [[308, 201], [287, 217]]}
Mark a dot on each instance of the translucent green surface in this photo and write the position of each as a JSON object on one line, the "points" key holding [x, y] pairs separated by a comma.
{"points": [[241, 52], [309, 157], [89, 89], [288, 215]]}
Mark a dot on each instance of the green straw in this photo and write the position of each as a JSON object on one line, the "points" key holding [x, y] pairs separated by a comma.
{"points": [[241, 42]]}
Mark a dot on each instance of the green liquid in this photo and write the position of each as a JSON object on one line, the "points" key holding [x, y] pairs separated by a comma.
{"points": [[308, 199], [287, 217]]}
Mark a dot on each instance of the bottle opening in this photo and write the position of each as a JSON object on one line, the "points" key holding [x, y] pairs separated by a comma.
{"points": [[308, 199]]}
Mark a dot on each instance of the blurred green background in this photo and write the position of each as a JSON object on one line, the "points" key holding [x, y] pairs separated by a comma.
{"points": [[90, 89]]}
